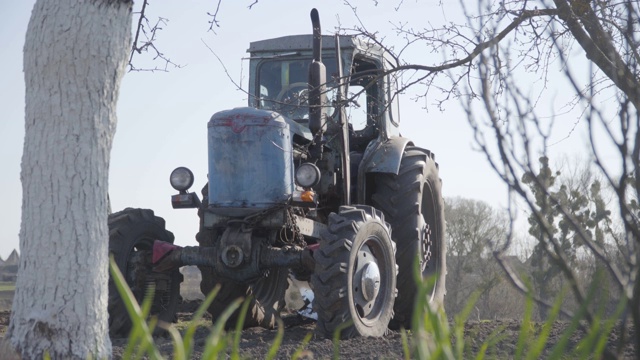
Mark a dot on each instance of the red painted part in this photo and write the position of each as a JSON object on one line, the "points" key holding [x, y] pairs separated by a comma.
{"points": [[239, 122], [313, 247], [162, 249]]}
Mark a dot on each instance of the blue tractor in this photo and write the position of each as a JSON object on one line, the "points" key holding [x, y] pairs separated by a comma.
{"points": [[312, 180]]}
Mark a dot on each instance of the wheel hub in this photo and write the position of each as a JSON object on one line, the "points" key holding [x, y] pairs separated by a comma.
{"points": [[370, 281], [232, 256]]}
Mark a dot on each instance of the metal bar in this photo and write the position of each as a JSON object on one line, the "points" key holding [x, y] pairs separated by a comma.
{"points": [[344, 139]]}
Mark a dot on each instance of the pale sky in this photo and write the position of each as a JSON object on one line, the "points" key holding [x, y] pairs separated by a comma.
{"points": [[162, 117]]}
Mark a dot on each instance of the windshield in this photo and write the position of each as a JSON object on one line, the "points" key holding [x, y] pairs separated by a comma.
{"points": [[283, 86]]}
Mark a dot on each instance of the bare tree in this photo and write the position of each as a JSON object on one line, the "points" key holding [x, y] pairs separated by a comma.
{"points": [[606, 33], [474, 231], [75, 54], [500, 64]]}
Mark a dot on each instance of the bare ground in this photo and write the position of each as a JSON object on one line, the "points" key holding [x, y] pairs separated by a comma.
{"points": [[255, 342]]}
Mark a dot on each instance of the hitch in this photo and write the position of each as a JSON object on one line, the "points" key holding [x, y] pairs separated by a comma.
{"points": [[231, 262]]}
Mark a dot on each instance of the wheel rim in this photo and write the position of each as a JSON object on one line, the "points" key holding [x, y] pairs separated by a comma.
{"points": [[429, 247], [368, 286], [425, 247]]}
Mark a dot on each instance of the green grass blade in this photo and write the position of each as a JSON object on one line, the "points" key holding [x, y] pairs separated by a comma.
{"points": [[215, 341], [459, 322], [273, 350], [586, 345], [595, 343], [300, 351], [525, 328], [193, 325], [608, 327], [543, 337], [482, 351], [127, 296], [405, 344], [419, 321], [494, 338], [147, 345], [133, 340], [235, 348], [212, 349], [141, 334], [431, 332], [336, 338], [560, 348], [179, 352]]}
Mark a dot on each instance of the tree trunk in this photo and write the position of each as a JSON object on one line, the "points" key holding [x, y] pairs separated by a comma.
{"points": [[74, 58]]}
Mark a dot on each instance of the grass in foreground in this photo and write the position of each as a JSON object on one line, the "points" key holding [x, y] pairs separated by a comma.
{"points": [[431, 336]]}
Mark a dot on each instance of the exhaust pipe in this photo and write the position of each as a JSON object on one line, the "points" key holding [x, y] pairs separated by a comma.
{"points": [[317, 88]]}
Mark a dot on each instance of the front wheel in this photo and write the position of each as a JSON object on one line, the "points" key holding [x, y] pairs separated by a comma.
{"points": [[355, 276], [131, 236]]}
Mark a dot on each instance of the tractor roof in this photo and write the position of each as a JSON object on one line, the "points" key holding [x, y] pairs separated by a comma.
{"points": [[304, 43]]}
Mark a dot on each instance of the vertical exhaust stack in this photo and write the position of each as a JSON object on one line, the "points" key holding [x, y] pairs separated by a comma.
{"points": [[317, 88], [342, 121]]}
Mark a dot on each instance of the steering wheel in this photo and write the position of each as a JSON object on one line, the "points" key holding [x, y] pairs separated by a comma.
{"points": [[293, 100]]}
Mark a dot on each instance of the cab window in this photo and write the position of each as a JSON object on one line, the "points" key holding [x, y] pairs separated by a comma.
{"points": [[283, 86], [363, 95]]}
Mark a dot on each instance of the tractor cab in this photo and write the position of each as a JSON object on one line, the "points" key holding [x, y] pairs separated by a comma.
{"points": [[279, 81]]}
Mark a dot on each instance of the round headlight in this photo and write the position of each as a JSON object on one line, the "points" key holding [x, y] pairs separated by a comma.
{"points": [[181, 178], [307, 175]]}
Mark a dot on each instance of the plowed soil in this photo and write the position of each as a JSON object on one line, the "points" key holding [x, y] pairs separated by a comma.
{"points": [[255, 342]]}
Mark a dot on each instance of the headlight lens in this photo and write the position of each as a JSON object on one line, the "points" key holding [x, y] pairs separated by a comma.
{"points": [[181, 178], [308, 175]]}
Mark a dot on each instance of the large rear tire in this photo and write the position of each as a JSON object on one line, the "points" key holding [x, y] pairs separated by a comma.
{"points": [[267, 293], [355, 275], [131, 236], [412, 203]]}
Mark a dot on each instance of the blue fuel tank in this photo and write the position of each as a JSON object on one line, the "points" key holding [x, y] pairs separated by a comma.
{"points": [[250, 161]]}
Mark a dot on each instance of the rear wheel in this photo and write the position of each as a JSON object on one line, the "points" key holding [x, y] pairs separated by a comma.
{"points": [[267, 293], [412, 203], [355, 275], [131, 236]]}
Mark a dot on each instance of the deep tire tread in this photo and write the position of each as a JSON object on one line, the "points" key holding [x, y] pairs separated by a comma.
{"points": [[137, 227], [400, 198]]}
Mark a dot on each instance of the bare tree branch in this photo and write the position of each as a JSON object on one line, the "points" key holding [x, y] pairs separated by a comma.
{"points": [[149, 32]]}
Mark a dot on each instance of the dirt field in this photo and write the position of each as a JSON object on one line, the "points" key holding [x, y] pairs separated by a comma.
{"points": [[6, 298], [255, 342]]}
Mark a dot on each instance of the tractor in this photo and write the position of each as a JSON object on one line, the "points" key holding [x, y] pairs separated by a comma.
{"points": [[312, 180]]}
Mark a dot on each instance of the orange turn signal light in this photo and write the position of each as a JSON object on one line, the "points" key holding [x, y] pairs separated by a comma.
{"points": [[307, 196]]}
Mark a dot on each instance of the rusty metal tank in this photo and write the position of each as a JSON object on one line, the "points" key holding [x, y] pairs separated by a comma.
{"points": [[250, 161]]}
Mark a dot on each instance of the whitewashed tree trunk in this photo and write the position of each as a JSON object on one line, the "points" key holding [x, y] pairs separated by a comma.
{"points": [[74, 58]]}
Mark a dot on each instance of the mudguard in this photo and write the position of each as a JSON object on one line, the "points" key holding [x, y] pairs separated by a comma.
{"points": [[381, 156]]}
